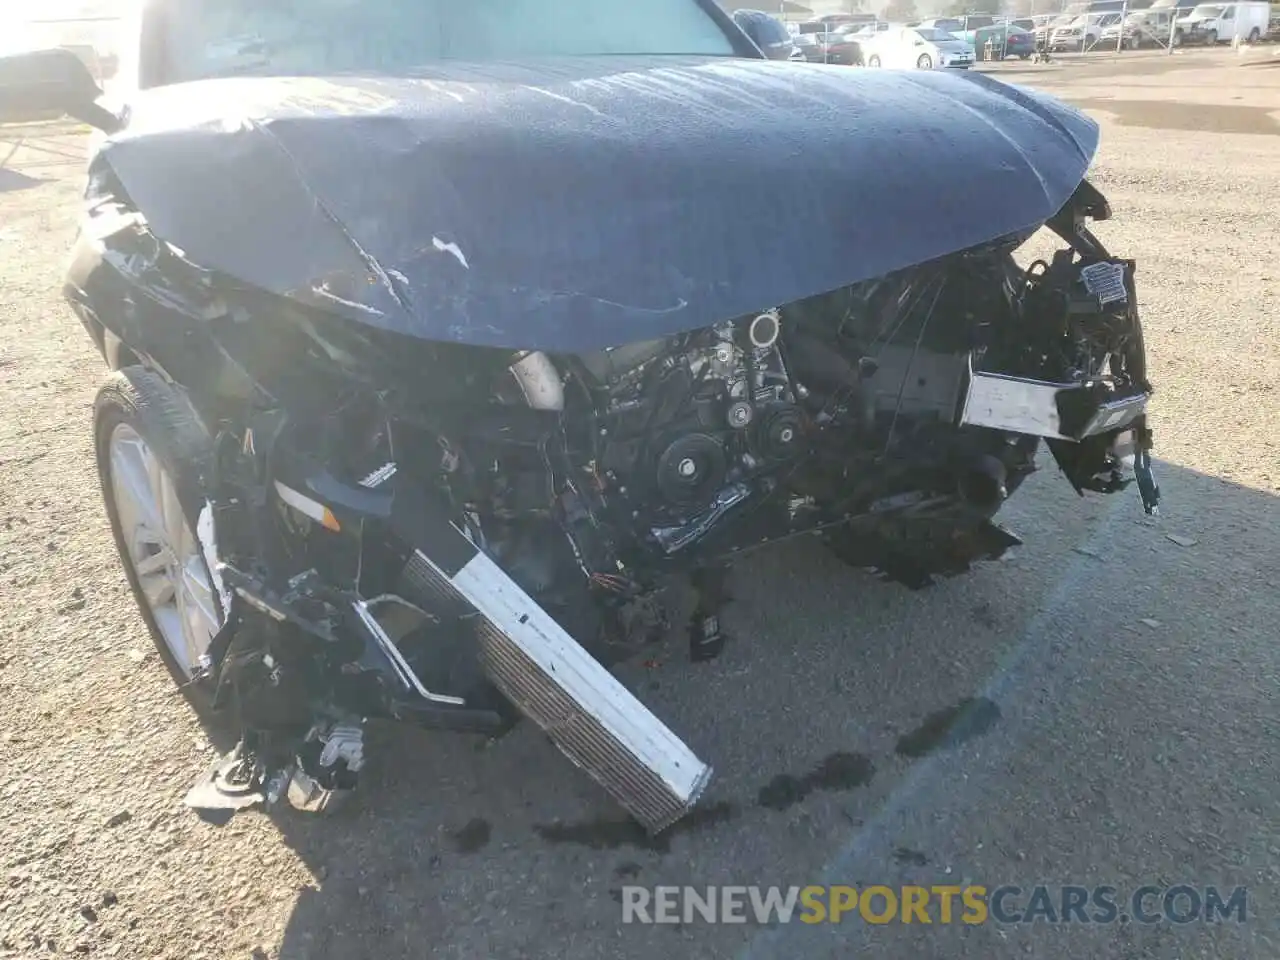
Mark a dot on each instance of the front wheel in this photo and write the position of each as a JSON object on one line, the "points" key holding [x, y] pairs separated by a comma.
{"points": [[151, 447], [925, 62], [873, 61], [1211, 37], [1254, 35]]}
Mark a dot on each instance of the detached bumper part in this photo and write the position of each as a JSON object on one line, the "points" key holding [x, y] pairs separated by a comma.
{"points": [[1134, 447], [591, 717], [1089, 429], [1057, 411]]}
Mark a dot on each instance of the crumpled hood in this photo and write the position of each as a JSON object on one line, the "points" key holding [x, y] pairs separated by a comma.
{"points": [[580, 204]]}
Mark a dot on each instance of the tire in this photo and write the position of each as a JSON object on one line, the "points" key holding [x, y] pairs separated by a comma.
{"points": [[1177, 38], [137, 412], [925, 62], [1211, 38], [1254, 35], [873, 61]]}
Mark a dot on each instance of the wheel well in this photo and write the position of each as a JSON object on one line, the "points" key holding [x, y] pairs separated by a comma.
{"points": [[115, 352], [123, 357]]}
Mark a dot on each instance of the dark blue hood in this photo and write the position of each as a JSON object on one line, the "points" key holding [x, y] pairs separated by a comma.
{"points": [[573, 205]]}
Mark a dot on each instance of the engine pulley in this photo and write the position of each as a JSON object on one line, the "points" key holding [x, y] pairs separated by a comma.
{"points": [[739, 414], [691, 469], [778, 433], [764, 329]]}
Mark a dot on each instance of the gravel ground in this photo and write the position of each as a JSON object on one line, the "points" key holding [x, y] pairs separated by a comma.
{"points": [[1132, 678]]}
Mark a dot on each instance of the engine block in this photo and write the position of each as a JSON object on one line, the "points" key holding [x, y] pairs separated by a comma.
{"points": [[698, 426]]}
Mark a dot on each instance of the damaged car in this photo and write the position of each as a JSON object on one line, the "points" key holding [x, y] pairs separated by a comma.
{"points": [[445, 339]]}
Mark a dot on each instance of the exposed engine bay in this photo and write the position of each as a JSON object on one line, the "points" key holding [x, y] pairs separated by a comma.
{"points": [[464, 555]]}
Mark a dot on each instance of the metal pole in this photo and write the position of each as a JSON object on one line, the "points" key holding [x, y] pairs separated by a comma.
{"points": [[1173, 28], [1124, 7]]}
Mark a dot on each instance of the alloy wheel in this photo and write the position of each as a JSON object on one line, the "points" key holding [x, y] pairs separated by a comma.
{"points": [[162, 549]]}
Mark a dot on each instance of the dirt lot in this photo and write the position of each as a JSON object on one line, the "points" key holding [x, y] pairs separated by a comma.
{"points": [[1130, 737]]}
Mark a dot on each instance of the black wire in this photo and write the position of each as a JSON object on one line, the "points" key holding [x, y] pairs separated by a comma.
{"points": [[924, 325]]}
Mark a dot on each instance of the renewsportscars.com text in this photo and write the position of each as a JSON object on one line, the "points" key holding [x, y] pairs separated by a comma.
{"points": [[971, 904]]}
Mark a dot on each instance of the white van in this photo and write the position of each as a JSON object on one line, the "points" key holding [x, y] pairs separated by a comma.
{"points": [[1225, 22]]}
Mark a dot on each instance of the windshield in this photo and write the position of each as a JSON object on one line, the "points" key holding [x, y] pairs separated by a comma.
{"points": [[933, 35], [1207, 10], [215, 38]]}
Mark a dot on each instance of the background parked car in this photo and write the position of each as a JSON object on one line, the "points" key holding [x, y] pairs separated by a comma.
{"points": [[1048, 24], [1218, 22], [1083, 32], [1006, 40], [867, 30], [1144, 28], [841, 19], [924, 48], [812, 46], [769, 34], [824, 41], [845, 46], [959, 25]]}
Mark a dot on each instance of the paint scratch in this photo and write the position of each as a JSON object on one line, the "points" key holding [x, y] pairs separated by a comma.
{"points": [[569, 100], [326, 294], [452, 248]]}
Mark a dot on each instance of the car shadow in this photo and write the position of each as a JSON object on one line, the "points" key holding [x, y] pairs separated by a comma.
{"points": [[833, 687], [12, 180]]}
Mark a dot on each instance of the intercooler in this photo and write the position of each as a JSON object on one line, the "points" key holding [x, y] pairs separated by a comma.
{"points": [[588, 714]]}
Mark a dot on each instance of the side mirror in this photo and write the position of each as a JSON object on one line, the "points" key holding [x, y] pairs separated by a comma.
{"points": [[35, 85]]}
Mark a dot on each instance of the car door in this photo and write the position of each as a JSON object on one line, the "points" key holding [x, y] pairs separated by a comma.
{"points": [[1227, 23], [889, 47], [901, 42]]}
